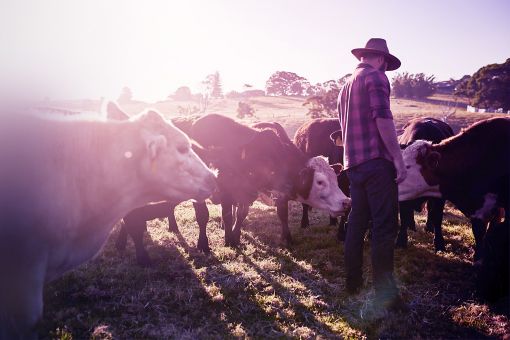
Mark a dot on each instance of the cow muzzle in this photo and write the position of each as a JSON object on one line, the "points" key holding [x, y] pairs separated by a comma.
{"points": [[345, 206]]}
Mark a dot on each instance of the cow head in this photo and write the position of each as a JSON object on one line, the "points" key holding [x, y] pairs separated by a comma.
{"points": [[167, 166], [318, 187], [421, 164], [255, 166]]}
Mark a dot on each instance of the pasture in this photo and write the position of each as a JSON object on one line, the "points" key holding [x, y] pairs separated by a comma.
{"points": [[262, 290]]}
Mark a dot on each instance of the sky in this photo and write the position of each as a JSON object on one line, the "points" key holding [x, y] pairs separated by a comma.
{"points": [[91, 49]]}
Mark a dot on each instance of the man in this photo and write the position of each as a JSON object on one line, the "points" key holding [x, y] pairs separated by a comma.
{"points": [[374, 166]]}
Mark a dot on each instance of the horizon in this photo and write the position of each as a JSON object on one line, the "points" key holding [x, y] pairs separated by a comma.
{"points": [[75, 50]]}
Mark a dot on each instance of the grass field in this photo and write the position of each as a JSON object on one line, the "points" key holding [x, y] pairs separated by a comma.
{"points": [[264, 291]]}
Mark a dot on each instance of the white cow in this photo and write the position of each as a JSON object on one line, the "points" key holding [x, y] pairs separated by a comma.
{"points": [[65, 183]]}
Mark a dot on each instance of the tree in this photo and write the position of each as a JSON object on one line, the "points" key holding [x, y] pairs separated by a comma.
{"points": [[323, 103], [244, 110], [125, 96], [213, 85], [182, 93], [408, 85], [489, 87], [282, 83]]}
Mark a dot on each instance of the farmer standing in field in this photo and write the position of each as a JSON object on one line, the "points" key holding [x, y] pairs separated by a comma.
{"points": [[374, 166]]}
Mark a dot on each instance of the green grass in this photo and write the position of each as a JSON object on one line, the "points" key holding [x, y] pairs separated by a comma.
{"points": [[262, 290]]}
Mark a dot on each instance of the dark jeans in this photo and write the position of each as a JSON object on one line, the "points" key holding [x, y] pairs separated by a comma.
{"points": [[374, 195]]}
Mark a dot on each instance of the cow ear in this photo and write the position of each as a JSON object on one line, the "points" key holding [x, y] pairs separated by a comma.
{"points": [[338, 167], [433, 159], [154, 144], [113, 112], [305, 181]]}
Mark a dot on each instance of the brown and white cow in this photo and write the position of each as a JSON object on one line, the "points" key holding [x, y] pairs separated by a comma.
{"points": [[313, 138], [65, 183], [471, 170]]}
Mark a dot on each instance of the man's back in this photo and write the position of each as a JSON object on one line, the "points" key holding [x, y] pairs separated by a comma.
{"points": [[363, 98]]}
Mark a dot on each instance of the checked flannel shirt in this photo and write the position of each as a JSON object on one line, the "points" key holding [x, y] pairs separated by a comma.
{"points": [[363, 98]]}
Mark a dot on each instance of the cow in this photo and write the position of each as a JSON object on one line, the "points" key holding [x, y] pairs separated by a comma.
{"points": [[64, 183], [471, 170], [316, 138], [260, 159], [433, 130]]}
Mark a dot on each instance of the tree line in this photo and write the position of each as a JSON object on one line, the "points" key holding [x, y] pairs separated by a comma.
{"points": [[489, 87]]}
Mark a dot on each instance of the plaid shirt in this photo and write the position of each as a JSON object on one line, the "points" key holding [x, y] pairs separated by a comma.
{"points": [[365, 97]]}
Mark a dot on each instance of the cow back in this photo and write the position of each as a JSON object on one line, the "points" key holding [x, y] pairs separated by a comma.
{"points": [[430, 129]]}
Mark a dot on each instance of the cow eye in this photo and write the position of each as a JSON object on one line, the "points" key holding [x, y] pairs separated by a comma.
{"points": [[408, 167], [320, 182], [182, 149]]}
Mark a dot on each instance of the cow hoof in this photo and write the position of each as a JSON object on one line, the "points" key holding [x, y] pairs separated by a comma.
{"points": [[144, 261], [305, 225], [401, 243], [440, 248], [173, 229], [204, 247], [340, 236], [286, 242]]}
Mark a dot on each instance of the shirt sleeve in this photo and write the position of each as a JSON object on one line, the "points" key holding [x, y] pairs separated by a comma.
{"points": [[378, 89]]}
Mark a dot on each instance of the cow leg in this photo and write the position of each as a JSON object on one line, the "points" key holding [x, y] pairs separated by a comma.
{"points": [[435, 207], [227, 219], [493, 275], [241, 213], [135, 228], [121, 241], [305, 221], [406, 222], [282, 209], [21, 301], [333, 221], [479, 228], [172, 223], [202, 216], [342, 228]]}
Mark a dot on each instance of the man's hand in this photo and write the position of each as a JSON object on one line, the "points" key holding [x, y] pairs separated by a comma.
{"points": [[401, 170]]}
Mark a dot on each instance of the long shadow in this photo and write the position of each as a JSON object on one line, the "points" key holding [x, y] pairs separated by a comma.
{"points": [[238, 305], [300, 312], [453, 278], [133, 302]]}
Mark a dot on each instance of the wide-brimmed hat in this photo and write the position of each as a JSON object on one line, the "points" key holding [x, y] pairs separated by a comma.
{"points": [[378, 46]]}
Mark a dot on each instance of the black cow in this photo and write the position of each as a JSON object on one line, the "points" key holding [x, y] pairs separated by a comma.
{"points": [[471, 170], [435, 131]]}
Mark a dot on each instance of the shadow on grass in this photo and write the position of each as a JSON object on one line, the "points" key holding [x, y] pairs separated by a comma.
{"points": [[434, 285], [167, 300]]}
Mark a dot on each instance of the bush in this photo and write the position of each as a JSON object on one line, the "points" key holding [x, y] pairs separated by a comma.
{"points": [[408, 85], [244, 110]]}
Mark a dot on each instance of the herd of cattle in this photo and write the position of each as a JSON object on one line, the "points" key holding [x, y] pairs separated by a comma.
{"points": [[65, 183]]}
